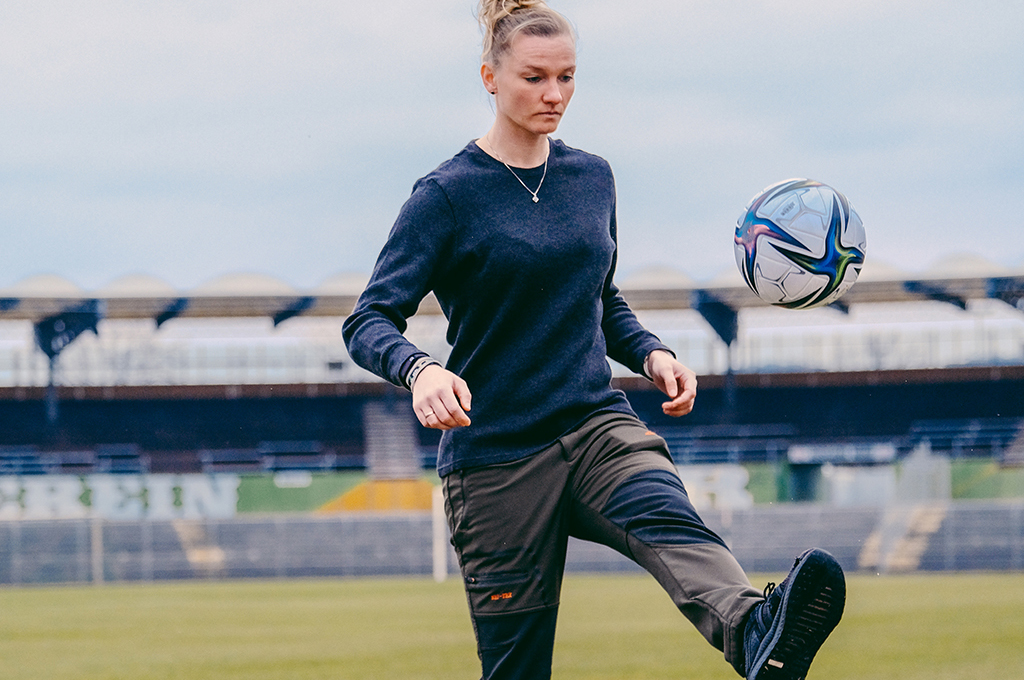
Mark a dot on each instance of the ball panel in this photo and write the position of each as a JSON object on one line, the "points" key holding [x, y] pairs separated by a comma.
{"points": [[814, 201], [809, 228]]}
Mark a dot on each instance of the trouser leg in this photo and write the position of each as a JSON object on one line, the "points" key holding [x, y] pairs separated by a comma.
{"points": [[626, 493], [510, 530]]}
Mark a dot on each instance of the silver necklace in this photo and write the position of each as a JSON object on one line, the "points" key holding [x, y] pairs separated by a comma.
{"points": [[542, 176]]}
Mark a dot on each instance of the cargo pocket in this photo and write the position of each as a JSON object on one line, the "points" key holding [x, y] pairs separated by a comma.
{"points": [[500, 592]]}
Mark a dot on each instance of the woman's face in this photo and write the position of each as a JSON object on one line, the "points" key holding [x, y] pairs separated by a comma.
{"points": [[533, 83]]}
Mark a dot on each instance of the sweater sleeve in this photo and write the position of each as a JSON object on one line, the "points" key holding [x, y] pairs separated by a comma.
{"points": [[403, 275], [628, 341]]}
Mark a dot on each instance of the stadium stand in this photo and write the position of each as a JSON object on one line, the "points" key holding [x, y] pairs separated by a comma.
{"points": [[24, 460], [960, 437], [1013, 455], [281, 456], [231, 460], [180, 429], [977, 536], [766, 539], [711, 444], [121, 459], [295, 455], [955, 393], [75, 462]]}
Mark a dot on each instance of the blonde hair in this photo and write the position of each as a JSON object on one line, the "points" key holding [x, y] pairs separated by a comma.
{"points": [[503, 20]]}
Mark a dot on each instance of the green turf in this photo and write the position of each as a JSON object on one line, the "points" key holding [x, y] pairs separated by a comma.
{"points": [[942, 627]]}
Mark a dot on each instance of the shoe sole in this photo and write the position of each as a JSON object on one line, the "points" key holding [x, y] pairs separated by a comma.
{"points": [[816, 596]]}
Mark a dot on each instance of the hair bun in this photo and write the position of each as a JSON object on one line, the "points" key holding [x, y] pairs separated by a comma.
{"points": [[503, 20], [493, 11]]}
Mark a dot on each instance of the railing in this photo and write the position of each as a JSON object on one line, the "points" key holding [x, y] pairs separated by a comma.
{"points": [[310, 350]]}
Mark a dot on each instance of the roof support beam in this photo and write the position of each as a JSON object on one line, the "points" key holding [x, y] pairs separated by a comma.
{"points": [[1009, 289], [839, 305], [55, 333], [720, 316], [934, 292], [725, 322], [172, 311], [299, 306]]}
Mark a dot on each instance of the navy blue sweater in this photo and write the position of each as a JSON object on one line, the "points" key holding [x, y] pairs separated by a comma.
{"points": [[527, 290]]}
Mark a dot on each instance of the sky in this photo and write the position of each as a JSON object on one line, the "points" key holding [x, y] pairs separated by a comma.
{"points": [[190, 140]]}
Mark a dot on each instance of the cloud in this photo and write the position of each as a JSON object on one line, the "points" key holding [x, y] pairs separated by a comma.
{"points": [[191, 139]]}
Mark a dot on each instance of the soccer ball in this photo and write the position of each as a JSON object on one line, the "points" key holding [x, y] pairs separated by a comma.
{"points": [[800, 244]]}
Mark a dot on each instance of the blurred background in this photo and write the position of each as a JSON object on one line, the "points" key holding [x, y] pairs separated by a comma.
{"points": [[192, 197]]}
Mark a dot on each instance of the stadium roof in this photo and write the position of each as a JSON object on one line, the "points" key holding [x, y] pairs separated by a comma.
{"points": [[955, 281]]}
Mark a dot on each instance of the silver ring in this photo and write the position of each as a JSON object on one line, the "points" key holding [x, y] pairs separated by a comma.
{"points": [[428, 414]]}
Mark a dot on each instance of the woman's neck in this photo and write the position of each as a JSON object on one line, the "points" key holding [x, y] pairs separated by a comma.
{"points": [[517, 150]]}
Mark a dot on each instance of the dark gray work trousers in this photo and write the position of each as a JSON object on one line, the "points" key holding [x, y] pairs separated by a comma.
{"points": [[613, 482]]}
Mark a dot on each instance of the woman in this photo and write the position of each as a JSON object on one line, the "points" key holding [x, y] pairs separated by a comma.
{"points": [[516, 237]]}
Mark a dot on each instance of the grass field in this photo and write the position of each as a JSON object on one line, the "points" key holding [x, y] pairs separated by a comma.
{"points": [[939, 627]]}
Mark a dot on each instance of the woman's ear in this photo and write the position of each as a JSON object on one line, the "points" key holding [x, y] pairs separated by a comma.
{"points": [[487, 76]]}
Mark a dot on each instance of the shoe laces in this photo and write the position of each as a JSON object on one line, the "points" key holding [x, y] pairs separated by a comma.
{"points": [[770, 604], [770, 588]]}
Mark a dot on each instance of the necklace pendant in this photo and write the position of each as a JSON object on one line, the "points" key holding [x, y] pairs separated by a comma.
{"points": [[520, 179]]}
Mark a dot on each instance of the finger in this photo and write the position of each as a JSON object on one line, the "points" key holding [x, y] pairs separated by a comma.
{"points": [[671, 384], [677, 409], [451, 411], [686, 394], [429, 419], [463, 394], [443, 423], [681, 405], [664, 377], [690, 382], [677, 406], [681, 399]]}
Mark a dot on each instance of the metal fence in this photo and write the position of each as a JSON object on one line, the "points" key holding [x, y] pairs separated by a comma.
{"points": [[950, 536]]}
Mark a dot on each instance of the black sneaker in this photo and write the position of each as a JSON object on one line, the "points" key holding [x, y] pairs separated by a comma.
{"points": [[785, 631]]}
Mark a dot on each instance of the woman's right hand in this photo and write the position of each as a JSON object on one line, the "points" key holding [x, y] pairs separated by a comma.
{"points": [[440, 399]]}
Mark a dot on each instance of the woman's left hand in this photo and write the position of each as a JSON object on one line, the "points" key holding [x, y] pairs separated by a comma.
{"points": [[678, 382]]}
